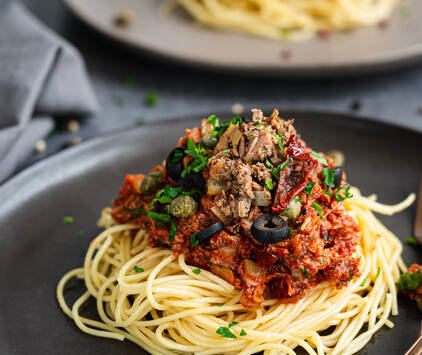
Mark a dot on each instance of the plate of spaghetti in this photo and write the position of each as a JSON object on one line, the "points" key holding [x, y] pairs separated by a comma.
{"points": [[286, 37], [221, 235]]}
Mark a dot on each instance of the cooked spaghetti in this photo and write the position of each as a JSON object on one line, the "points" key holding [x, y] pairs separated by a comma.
{"points": [[289, 19], [320, 277]]}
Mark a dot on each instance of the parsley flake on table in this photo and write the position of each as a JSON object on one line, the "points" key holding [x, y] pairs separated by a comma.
{"points": [[412, 241], [151, 98], [68, 220]]}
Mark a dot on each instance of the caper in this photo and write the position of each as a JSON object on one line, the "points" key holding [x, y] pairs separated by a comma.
{"points": [[209, 141], [293, 211], [183, 206], [337, 156], [151, 183]]}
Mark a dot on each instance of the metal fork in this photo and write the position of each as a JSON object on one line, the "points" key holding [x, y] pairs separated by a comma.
{"points": [[416, 348]]}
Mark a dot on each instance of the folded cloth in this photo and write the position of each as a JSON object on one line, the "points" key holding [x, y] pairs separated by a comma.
{"points": [[41, 76]]}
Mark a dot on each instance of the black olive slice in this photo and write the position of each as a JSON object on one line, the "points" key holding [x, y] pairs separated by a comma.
{"points": [[174, 168], [338, 174], [270, 228], [193, 181], [204, 235]]}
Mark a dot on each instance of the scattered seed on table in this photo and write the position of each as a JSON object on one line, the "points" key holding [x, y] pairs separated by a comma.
{"points": [[124, 18], [72, 126], [356, 105], [40, 146], [237, 108]]}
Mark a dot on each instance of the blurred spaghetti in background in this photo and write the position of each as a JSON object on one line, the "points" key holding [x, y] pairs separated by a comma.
{"points": [[289, 19]]}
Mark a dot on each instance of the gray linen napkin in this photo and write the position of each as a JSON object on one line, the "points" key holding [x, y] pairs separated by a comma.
{"points": [[41, 76]]}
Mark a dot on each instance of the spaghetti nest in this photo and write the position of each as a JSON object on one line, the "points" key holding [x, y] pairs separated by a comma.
{"points": [[153, 298], [288, 19]]}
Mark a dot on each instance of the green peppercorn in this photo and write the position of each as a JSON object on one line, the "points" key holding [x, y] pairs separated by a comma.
{"points": [[183, 206], [151, 183]]}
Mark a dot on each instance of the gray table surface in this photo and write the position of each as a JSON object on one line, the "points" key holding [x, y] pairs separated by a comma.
{"points": [[393, 97]]}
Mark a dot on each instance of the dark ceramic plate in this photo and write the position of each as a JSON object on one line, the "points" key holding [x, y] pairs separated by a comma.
{"points": [[36, 248]]}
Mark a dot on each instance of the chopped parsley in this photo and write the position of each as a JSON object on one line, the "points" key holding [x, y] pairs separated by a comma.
{"points": [[151, 99], [277, 170], [343, 194], [328, 192], [79, 234], [128, 81], [409, 281], [269, 164], [257, 123], [140, 121], [68, 220], [309, 187], [304, 271], [290, 231], [297, 199], [328, 175], [193, 240], [162, 218], [226, 151], [319, 157], [251, 136], [412, 241], [225, 332], [378, 272], [200, 157], [269, 184], [363, 283], [135, 212], [138, 269], [177, 156], [214, 120], [196, 271], [318, 207], [173, 231], [219, 129], [280, 142], [220, 304], [232, 324], [243, 332], [190, 193]]}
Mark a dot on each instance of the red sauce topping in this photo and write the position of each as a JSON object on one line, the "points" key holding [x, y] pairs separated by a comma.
{"points": [[322, 241]]}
